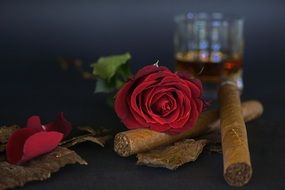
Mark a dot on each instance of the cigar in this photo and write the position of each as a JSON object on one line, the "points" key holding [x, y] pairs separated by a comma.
{"points": [[237, 165], [140, 140]]}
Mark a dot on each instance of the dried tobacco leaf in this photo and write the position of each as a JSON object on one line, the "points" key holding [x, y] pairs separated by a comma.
{"points": [[37, 169], [83, 138], [171, 157], [93, 131], [98, 136], [6, 132]]}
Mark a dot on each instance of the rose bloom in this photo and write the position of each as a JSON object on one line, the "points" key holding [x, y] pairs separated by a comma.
{"points": [[159, 99]]}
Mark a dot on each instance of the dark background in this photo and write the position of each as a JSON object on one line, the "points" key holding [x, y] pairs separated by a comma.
{"points": [[34, 34]]}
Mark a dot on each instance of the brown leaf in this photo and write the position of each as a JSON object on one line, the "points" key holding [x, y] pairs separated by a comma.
{"points": [[171, 157], [95, 135], [93, 130], [37, 169], [83, 138], [6, 132]]}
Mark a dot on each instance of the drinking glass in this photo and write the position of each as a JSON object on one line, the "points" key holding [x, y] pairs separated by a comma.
{"points": [[209, 46]]}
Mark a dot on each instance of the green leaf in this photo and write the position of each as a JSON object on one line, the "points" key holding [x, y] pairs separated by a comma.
{"points": [[103, 86], [124, 72], [118, 84], [106, 67]]}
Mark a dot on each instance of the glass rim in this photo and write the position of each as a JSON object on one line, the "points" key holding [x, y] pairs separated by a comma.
{"points": [[208, 16]]}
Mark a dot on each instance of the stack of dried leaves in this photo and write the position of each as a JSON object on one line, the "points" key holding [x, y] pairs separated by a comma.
{"points": [[37, 169], [41, 168]]}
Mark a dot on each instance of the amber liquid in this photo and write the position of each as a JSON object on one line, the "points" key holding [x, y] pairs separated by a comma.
{"points": [[209, 68]]}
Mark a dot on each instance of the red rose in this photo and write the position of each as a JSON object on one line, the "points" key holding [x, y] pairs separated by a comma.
{"points": [[158, 99]]}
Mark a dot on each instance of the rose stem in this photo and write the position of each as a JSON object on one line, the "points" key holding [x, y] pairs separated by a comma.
{"points": [[139, 140], [237, 166]]}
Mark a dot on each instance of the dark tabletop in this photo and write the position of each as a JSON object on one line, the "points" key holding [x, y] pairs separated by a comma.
{"points": [[34, 34]]}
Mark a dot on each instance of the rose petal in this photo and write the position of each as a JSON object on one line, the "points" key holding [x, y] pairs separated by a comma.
{"points": [[198, 83], [148, 70], [195, 87], [183, 104], [173, 106], [40, 143], [192, 81], [120, 105], [146, 97], [137, 116], [160, 128], [185, 75], [142, 106], [34, 122], [147, 82], [15, 145], [178, 109], [122, 108], [190, 122], [136, 92], [28, 143], [178, 83], [148, 103], [60, 125]]}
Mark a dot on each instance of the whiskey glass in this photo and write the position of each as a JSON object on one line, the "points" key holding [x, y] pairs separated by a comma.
{"points": [[209, 46]]}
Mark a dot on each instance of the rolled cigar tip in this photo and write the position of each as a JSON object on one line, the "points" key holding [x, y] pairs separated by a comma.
{"points": [[238, 174], [122, 145]]}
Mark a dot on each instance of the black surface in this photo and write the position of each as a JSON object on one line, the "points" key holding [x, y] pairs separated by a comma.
{"points": [[33, 34]]}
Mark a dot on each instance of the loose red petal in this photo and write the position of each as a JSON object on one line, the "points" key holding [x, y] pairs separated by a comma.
{"points": [[40, 143], [34, 122], [15, 145], [60, 125]]}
